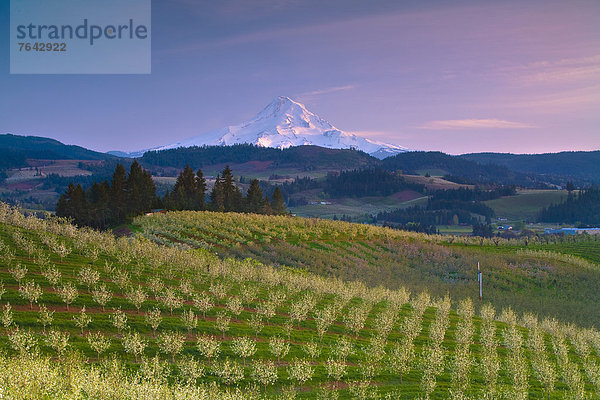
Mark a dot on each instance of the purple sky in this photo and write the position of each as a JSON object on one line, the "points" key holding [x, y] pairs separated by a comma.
{"points": [[506, 76]]}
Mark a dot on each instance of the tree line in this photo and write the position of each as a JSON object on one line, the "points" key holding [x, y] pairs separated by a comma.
{"points": [[582, 208], [189, 193], [449, 207], [351, 183], [476, 207], [367, 182], [305, 157], [106, 204], [427, 217], [461, 170], [414, 227], [476, 194]]}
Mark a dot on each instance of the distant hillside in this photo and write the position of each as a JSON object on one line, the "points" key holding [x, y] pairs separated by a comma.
{"points": [[90, 313], [537, 282], [460, 169], [306, 157], [315, 158], [35, 170], [16, 150], [579, 165], [583, 208], [535, 171]]}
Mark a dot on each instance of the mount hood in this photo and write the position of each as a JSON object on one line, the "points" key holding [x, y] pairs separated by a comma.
{"points": [[285, 123]]}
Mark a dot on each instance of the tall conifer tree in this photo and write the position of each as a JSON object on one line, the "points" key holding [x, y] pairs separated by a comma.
{"points": [[200, 190], [118, 193], [72, 204], [183, 196], [277, 203], [254, 198], [141, 191], [232, 196], [217, 199]]}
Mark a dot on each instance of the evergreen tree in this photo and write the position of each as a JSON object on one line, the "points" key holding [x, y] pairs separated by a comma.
{"points": [[483, 230], [140, 189], [99, 205], [237, 201], [72, 204], [277, 203], [62, 206], [580, 209], [118, 193], [188, 193], [200, 191], [167, 201], [104, 205], [183, 196], [266, 208], [254, 198], [217, 199], [232, 196]]}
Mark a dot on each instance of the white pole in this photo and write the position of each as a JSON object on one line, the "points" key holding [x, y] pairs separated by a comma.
{"points": [[479, 278]]}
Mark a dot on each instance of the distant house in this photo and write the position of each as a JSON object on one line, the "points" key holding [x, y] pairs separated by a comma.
{"points": [[156, 211], [505, 228], [572, 231]]}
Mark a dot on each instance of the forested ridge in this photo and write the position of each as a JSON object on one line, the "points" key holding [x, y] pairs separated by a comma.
{"points": [[106, 204], [581, 166], [306, 157], [461, 170], [582, 208], [449, 207]]}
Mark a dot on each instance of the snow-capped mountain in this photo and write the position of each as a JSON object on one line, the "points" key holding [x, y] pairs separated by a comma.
{"points": [[285, 123]]}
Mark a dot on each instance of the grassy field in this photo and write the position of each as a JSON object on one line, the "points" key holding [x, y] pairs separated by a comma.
{"points": [[434, 182], [360, 209], [526, 204], [280, 332], [585, 248], [455, 230], [432, 172], [549, 286]]}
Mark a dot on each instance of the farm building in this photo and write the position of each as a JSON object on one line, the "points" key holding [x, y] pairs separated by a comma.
{"points": [[572, 231]]}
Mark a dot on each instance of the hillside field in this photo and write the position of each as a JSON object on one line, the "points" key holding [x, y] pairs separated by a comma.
{"points": [[526, 205], [379, 256], [87, 315], [360, 208]]}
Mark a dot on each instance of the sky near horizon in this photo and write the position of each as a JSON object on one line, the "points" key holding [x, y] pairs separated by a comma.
{"points": [[456, 76]]}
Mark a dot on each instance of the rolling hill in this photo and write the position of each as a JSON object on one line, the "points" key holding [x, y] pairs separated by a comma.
{"points": [[392, 258], [581, 166], [255, 161], [85, 314], [461, 170], [251, 157], [16, 150]]}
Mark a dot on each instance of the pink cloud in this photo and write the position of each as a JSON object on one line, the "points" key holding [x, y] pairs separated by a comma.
{"points": [[565, 70], [452, 124], [332, 89]]}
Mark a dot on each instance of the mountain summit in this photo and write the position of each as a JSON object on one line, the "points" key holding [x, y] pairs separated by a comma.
{"points": [[285, 123]]}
